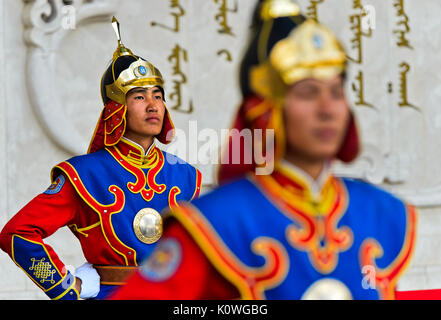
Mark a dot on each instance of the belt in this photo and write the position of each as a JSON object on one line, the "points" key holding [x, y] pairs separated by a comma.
{"points": [[114, 275]]}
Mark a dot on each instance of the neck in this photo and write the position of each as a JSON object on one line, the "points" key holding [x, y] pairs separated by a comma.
{"points": [[313, 167], [144, 141]]}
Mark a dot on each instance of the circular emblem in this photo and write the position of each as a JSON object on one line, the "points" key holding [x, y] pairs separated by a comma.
{"points": [[163, 262], [148, 225], [327, 289], [142, 70], [318, 41], [56, 186]]}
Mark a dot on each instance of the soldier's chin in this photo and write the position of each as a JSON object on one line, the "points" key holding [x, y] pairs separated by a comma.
{"points": [[324, 153], [153, 130]]}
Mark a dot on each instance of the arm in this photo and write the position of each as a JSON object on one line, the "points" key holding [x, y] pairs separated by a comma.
{"points": [[22, 238], [177, 269]]}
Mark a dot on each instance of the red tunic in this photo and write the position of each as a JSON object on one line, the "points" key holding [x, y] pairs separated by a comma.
{"points": [[194, 277], [64, 208], [60, 209], [61, 205]]}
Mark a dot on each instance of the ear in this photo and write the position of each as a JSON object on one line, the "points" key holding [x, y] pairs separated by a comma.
{"points": [[350, 147]]}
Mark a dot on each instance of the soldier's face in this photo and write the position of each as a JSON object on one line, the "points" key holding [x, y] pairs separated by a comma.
{"points": [[145, 112], [316, 115]]}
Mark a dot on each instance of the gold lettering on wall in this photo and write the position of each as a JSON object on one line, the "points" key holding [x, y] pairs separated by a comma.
{"points": [[402, 25], [222, 17], [359, 90], [311, 10], [178, 56], [177, 12], [358, 31], [404, 101]]}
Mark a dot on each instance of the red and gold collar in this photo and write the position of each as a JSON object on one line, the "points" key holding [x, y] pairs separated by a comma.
{"points": [[134, 153], [294, 187], [316, 212]]}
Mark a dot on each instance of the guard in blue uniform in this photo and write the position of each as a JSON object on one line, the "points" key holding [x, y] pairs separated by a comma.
{"points": [[298, 232], [111, 198]]}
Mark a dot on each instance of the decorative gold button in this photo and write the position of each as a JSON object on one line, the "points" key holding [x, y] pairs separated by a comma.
{"points": [[147, 225]]}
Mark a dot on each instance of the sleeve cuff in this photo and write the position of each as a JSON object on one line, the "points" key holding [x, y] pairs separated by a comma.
{"points": [[65, 290], [33, 258]]}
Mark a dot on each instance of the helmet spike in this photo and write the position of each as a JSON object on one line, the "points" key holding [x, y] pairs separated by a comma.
{"points": [[121, 50], [272, 9], [115, 25]]}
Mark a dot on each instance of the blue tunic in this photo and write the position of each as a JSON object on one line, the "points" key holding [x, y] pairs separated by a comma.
{"points": [[278, 243], [117, 187]]}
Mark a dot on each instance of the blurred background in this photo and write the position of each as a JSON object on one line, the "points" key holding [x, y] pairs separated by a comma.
{"points": [[53, 53]]}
